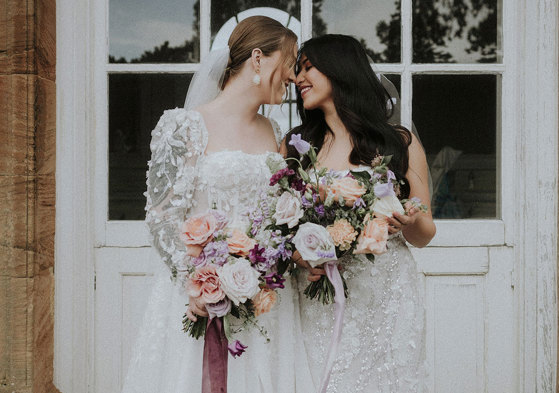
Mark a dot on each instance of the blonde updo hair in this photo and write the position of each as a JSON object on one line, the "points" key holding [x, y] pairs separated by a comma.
{"points": [[260, 32]]}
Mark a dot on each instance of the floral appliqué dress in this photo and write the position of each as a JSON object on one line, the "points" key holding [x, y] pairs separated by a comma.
{"points": [[183, 180]]}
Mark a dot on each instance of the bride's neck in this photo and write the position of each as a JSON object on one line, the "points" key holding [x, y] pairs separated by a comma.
{"points": [[334, 122], [239, 100]]}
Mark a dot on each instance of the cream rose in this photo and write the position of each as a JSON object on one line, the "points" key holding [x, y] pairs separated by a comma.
{"points": [[239, 243], [314, 244], [342, 233], [348, 188], [239, 280], [385, 206], [288, 210], [264, 301], [197, 231], [373, 237]]}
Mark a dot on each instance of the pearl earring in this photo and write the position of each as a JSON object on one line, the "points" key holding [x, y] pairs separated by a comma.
{"points": [[256, 79]]}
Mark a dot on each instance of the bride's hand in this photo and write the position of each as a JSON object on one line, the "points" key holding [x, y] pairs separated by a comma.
{"points": [[399, 221], [314, 273], [195, 308]]}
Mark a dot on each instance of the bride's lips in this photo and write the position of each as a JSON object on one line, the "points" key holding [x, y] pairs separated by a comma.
{"points": [[304, 90]]}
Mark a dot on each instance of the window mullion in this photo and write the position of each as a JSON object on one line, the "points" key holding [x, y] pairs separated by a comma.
{"points": [[306, 20], [407, 53], [205, 28]]}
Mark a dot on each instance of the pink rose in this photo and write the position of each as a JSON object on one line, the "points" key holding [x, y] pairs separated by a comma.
{"points": [[198, 231], [264, 301], [373, 237], [204, 284], [239, 243], [348, 188]]}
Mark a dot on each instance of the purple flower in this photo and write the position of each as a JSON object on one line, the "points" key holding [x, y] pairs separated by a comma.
{"points": [[221, 219], [390, 175], [200, 260], [300, 145], [383, 189], [276, 177], [236, 348], [258, 259], [326, 254], [305, 202], [359, 202], [319, 209], [274, 280], [219, 309], [217, 252]]}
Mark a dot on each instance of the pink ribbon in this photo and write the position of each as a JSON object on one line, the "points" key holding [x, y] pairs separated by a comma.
{"points": [[214, 371], [333, 275]]}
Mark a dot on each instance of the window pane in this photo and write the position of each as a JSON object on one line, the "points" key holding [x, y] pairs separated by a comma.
{"points": [[136, 102], [458, 31], [145, 31], [223, 11], [456, 116], [375, 23]]}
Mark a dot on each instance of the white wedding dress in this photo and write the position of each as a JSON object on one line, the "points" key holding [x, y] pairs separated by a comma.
{"points": [[383, 339], [183, 180]]}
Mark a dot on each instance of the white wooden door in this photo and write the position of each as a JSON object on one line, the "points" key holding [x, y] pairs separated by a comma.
{"points": [[472, 309]]}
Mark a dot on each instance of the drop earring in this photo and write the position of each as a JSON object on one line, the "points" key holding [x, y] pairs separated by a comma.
{"points": [[256, 79]]}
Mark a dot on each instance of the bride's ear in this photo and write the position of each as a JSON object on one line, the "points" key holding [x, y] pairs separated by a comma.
{"points": [[255, 58]]}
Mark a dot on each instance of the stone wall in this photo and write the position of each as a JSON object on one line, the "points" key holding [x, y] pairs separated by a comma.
{"points": [[27, 194]]}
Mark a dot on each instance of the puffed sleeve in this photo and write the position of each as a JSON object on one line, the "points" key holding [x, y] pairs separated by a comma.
{"points": [[176, 143]]}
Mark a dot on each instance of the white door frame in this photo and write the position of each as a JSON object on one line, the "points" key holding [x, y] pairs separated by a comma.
{"points": [[536, 129]]}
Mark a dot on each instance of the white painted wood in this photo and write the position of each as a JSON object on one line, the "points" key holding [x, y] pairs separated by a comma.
{"points": [[537, 221], [123, 286], [306, 20], [145, 68], [452, 260], [73, 311]]}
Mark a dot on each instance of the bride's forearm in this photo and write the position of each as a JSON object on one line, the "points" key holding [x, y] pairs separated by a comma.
{"points": [[420, 233]]}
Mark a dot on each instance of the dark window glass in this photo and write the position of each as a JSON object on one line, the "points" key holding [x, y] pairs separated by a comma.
{"points": [[146, 31], [136, 102], [375, 23], [458, 31], [456, 116]]}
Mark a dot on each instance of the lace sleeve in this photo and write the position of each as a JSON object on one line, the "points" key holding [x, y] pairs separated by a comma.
{"points": [[176, 143], [278, 133]]}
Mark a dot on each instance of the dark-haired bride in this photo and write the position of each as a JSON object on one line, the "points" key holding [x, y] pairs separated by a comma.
{"points": [[345, 113]]}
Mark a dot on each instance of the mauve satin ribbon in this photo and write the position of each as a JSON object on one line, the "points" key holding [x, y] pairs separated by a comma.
{"points": [[333, 275], [214, 373]]}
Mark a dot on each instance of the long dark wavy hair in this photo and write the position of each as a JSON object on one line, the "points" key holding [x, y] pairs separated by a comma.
{"points": [[361, 103]]}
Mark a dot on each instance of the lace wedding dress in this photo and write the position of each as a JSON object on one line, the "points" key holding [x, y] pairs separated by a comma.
{"points": [[183, 180], [382, 346]]}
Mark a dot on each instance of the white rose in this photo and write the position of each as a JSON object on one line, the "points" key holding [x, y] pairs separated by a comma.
{"points": [[288, 210], [239, 280], [315, 244], [386, 205]]}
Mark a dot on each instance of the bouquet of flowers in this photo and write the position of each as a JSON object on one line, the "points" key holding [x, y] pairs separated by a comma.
{"points": [[332, 214], [233, 273]]}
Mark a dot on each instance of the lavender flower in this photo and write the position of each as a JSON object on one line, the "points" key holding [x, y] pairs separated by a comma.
{"points": [[274, 280], [217, 252], [390, 175], [200, 260], [236, 348], [300, 145], [219, 309], [359, 202], [319, 209], [382, 190]]}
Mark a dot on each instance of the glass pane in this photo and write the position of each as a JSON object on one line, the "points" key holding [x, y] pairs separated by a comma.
{"points": [[223, 11], [456, 116], [375, 23], [457, 31], [136, 102], [145, 31]]}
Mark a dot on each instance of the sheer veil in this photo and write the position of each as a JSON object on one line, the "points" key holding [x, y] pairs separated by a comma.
{"points": [[207, 81]]}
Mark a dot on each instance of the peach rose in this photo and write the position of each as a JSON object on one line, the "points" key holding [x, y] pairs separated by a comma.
{"points": [[264, 301], [373, 237], [342, 233], [348, 188], [198, 231], [239, 243], [204, 284]]}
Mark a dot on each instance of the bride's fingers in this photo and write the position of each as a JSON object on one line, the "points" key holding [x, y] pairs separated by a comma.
{"points": [[313, 277], [316, 271], [190, 315]]}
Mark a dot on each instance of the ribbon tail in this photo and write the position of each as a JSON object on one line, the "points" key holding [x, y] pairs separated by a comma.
{"points": [[214, 370], [333, 275]]}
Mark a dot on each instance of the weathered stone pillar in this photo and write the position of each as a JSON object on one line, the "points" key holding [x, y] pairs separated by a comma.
{"points": [[27, 194]]}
